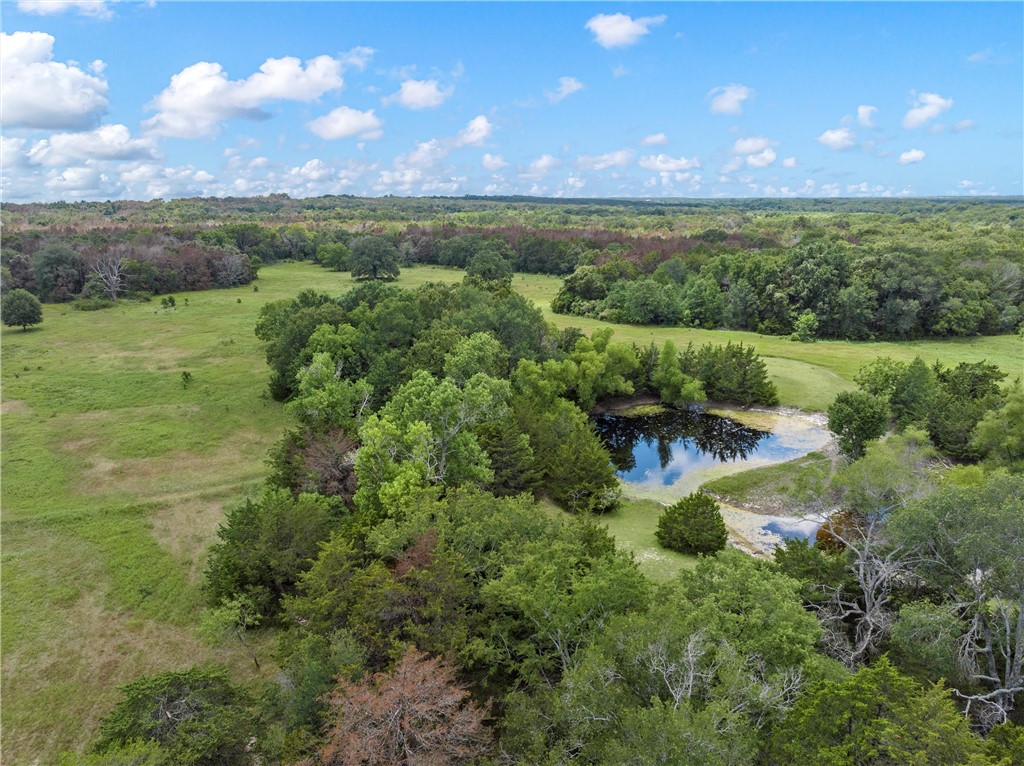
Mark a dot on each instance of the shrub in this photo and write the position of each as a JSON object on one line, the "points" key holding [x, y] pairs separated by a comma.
{"points": [[856, 418], [195, 715], [693, 525]]}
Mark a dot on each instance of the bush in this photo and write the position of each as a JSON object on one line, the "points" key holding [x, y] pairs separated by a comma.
{"points": [[196, 716], [693, 525], [92, 304]]}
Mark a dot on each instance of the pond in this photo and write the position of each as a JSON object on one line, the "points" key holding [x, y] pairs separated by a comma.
{"points": [[668, 453]]}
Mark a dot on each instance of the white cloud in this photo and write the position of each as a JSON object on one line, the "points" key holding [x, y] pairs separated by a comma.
{"points": [[566, 87], [761, 159], [866, 115], [97, 9], [964, 125], [838, 138], [493, 162], [617, 30], [541, 166], [980, 57], [620, 71], [109, 142], [41, 93], [201, 96], [345, 122], [728, 99], [927, 106], [657, 139], [357, 58], [476, 132], [912, 156], [663, 163], [789, 162], [420, 94], [617, 159], [751, 145]]}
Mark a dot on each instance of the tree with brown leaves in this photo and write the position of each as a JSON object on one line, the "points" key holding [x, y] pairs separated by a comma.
{"points": [[417, 714]]}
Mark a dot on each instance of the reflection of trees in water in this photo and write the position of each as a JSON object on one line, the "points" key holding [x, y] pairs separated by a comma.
{"points": [[722, 438]]}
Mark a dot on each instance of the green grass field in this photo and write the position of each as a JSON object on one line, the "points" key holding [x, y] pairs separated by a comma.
{"points": [[115, 478]]}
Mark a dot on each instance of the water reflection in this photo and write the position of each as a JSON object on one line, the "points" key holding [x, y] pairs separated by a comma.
{"points": [[662, 447]]}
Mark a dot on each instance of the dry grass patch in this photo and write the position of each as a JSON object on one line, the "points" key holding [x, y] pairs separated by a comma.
{"points": [[15, 407], [186, 528]]}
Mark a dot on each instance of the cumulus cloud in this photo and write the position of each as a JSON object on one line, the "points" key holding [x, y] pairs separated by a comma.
{"points": [[789, 162], [345, 122], [663, 163], [201, 97], [617, 30], [97, 9], [420, 94], [912, 156], [617, 159], [762, 159], [566, 87], [751, 145], [866, 115], [927, 106], [728, 99], [657, 139], [541, 166], [476, 132], [493, 162], [109, 142], [42, 93], [838, 138]]}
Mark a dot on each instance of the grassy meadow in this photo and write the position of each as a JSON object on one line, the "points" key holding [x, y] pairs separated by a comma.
{"points": [[115, 477]]}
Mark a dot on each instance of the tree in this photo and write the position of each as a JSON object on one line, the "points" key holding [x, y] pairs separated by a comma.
{"points": [[196, 716], [877, 717], [110, 272], [674, 386], [805, 327], [488, 267], [333, 256], [693, 525], [970, 540], [856, 418], [20, 308], [999, 436], [264, 546], [373, 258], [416, 714]]}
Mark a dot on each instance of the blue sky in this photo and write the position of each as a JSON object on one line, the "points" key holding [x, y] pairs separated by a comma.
{"points": [[108, 100]]}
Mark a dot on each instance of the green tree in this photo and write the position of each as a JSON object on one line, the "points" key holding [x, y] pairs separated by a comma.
{"points": [[693, 525], [674, 386], [263, 547], [857, 418], [373, 257], [197, 717], [970, 543], [333, 256], [877, 717], [489, 268], [20, 308], [999, 435], [805, 328]]}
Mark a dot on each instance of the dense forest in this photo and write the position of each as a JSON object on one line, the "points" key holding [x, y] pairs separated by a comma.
{"points": [[425, 563], [830, 269]]}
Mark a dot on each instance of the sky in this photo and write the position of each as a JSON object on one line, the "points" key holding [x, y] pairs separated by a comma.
{"points": [[143, 100]]}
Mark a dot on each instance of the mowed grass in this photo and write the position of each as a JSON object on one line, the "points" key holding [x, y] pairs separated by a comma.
{"points": [[115, 478]]}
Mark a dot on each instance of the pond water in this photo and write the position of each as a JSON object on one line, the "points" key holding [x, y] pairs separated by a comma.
{"points": [[668, 454]]}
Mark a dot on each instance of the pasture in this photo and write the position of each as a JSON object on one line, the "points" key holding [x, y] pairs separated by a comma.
{"points": [[116, 474]]}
